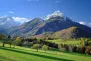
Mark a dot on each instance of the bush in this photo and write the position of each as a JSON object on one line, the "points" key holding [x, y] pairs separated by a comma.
{"points": [[45, 47], [61, 47], [78, 49], [36, 46], [18, 41], [31, 44], [82, 49], [74, 48], [50, 48], [88, 50]]}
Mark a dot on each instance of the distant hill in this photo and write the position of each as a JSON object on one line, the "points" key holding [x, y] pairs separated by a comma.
{"points": [[72, 32]]}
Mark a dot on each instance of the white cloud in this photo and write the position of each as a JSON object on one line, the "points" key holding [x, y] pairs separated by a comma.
{"points": [[11, 12], [83, 23], [21, 20]]}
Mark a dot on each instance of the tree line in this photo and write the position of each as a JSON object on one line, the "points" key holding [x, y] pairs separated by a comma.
{"points": [[84, 47], [28, 42]]}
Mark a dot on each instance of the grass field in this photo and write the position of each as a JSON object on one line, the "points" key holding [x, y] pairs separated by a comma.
{"points": [[27, 54], [58, 41]]}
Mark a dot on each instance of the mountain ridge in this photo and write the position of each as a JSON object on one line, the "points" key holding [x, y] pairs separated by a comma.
{"points": [[36, 26]]}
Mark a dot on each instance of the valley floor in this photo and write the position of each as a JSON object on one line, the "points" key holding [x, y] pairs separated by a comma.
{"points": [[27, 54]]}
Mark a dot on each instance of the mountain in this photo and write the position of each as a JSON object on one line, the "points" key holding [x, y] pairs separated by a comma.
{"points": [[51, 23], [54, 24], [6, 22], [28, 28]]}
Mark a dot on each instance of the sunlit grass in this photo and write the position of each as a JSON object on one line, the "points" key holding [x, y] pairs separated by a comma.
{"points": [[58, 41], [28, 54]]}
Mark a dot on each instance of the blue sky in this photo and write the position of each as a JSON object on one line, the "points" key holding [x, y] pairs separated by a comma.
{"points": [[77, 10]]}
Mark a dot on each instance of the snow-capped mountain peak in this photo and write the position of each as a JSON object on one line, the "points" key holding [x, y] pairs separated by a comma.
{"points": [[55, 14], [7, 21]]}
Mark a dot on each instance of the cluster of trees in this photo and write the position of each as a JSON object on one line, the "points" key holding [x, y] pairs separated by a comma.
{"points": [[83, 47], [72, 48], [38, 46], [6, 40], [9, 40], [28, 42]]}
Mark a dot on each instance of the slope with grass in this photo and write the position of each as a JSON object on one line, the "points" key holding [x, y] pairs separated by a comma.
{"points": [[27, 54], [71, 41]]}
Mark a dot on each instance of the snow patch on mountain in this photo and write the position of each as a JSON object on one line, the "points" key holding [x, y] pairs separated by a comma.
{"points": [[55, 14], [7, 21]]}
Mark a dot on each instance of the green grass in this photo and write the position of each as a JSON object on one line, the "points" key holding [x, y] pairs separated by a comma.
{"points": [[58, 41], [27, 54], [55, 41]]}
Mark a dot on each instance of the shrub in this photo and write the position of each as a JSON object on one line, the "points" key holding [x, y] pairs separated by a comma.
{"points": [[74, 48], [36, 46], [88, 50], [45, 47], [61, 47], [18, 41], [82, 49], [50, 48]]}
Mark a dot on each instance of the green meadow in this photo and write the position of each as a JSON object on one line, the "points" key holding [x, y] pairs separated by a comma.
{"points": [[58, 41], [28, 54]]}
